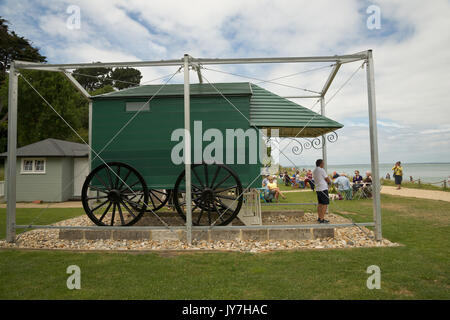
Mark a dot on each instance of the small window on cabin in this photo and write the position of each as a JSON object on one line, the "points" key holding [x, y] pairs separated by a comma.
{"points": [[39, 166], [137, 106], [33, 166], [27, 166]]}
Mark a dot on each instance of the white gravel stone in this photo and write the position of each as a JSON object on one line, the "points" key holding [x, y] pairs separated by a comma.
{"points": [[344, 238]]}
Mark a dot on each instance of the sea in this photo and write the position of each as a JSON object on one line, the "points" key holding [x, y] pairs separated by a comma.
{"points": [[426, 172]]}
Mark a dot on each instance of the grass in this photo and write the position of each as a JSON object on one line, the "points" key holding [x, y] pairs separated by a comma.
{"points": [[417, 270], [40, 216]]}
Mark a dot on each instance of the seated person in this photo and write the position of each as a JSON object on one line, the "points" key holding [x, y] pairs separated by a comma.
{"points": [[287, 179], [299, 181], [357, 181], [367, 188], [309, 180], [273, 189], [368, 178], [343, 185], [265, 181]]}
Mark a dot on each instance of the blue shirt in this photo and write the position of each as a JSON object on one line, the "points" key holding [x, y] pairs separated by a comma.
{"points": [[342, 183]]}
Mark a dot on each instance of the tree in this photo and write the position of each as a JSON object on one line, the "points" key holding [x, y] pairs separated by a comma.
{"points": [[95, 78], [36, 120], [13, 47], [123, 78]]}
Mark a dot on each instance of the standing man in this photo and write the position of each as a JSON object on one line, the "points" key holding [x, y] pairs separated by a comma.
{"points": [[398, 174], [321, 181]]}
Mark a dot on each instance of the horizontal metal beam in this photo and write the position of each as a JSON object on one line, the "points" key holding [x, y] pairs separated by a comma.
{"points": [[336, 58], [144, 228], [300, 97], [330, 79], [59, 67], [178, 62]]}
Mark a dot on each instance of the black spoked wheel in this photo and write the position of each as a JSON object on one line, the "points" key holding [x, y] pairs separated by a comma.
{"points": [[158, 198], [216, 194], [114, 194]]}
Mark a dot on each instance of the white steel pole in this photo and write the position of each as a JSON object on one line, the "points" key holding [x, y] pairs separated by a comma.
{"points": [[90, 135], [187, 150], [374, 145], [12, 146], [324, 140]]}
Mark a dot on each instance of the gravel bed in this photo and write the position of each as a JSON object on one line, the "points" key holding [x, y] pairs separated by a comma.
{"points": [[344, 238]]}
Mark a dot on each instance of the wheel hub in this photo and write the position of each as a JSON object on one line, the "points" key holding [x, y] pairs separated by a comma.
{"points": [[208, 194], [114, 196]]}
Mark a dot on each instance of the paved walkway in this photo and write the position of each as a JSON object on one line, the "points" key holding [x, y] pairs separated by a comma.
{"points": [[404, 192], [67, 204], [417, 193]]}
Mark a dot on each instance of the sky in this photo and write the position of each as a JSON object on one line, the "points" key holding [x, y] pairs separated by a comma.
{"points": [[410, 42]]}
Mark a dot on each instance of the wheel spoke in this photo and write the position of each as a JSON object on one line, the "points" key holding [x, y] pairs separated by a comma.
{"points": [[218, 212], [153, 203], [151, 191], [117, 176], [113, 214], [225, 189], [108, 170], [196, 175], [100, 205], [120, 214], [130, 187], [98, 189], [215, 176], [102, 182], [128, 209], [105, 212], [200, 216], [124, 180], [96, 198], [221, 182], [205, 166]]}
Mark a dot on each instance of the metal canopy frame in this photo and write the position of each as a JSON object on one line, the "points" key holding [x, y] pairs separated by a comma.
{"points": [[189, 62]]}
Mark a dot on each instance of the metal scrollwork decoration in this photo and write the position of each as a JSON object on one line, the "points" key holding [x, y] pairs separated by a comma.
{"points": [[307, 144]]}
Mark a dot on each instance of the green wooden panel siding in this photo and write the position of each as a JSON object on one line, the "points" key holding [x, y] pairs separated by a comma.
{"points": [[146, 142], [46, 187]]}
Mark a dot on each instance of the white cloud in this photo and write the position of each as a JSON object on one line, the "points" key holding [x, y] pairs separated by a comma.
{"points": [[411, 52]]}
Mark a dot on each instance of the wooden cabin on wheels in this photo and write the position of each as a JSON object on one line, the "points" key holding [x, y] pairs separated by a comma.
{"points": [[139, 133]]}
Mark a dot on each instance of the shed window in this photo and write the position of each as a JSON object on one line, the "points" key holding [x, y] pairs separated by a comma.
{"points": [[33, 166], [136, 106]]}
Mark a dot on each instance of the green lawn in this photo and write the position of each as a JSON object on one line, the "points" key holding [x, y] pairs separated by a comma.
{"points": [[417, 270], [416, 185]]}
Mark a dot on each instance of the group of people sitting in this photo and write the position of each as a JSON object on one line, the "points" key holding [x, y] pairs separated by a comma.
{"points": [[346, 190], [302, 179], [271, 189], [298, 179]]}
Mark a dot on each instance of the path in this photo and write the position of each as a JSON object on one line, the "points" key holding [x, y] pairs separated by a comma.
{"points": [[417, 193]]}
